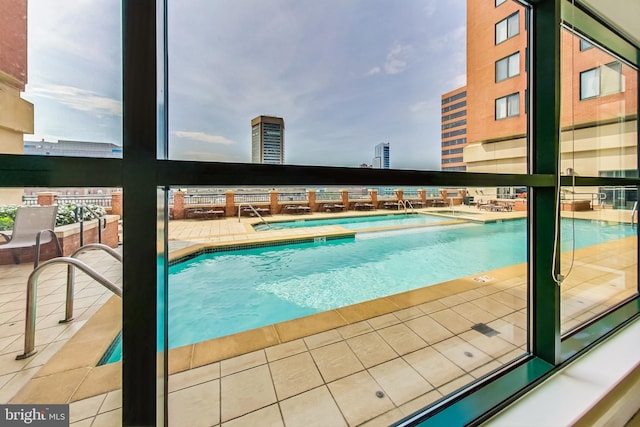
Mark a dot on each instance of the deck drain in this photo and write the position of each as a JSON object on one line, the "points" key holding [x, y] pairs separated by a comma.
{"points": [[485, 330], [379, 394]]}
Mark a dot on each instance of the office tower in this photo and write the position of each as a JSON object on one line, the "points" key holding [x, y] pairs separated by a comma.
{"points": [[267, 140], [454, 129], [381, 158]]}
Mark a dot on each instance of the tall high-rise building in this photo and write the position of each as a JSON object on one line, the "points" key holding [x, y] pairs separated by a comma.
{"points": [[454, 129], [381, 158], [267, 140]]}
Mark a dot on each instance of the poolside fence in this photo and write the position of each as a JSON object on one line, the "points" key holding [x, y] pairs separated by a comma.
{"points": [[272, 202]]}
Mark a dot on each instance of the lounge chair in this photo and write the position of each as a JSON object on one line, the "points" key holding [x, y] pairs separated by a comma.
{"points": [[363, 206], [32, 227], [333, 207]]}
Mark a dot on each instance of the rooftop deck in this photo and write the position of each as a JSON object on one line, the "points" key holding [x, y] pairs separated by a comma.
{"points": [[370, 363]]}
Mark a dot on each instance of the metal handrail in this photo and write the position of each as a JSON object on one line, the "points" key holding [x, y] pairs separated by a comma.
{"points": [[254, 211], [102, 222], [32, 283], [68, 316]]}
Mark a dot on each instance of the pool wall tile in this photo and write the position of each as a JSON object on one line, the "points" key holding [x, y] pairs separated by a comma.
{"points": [[180, 358], [44, 389], [309, 325], [100, 379], [364, 310], [229, 346]]}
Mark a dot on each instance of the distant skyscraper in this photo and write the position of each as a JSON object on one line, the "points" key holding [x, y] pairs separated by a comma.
{"points": [[381, 159], [267, 140]]}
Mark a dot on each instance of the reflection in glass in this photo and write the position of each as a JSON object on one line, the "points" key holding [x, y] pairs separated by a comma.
{"points": [[599, 138], [599, 252], [599, 96]]}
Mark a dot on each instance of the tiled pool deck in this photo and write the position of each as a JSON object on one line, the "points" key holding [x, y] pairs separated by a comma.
{"points": [[326, 369]]}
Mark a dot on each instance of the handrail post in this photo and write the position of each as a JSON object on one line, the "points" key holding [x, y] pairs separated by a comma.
{"points": [[30, 320], [68, 311]]}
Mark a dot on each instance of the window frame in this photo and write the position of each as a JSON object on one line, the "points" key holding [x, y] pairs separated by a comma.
{"points": [[507, 61], [598, 79], [507, 22], [508, 103]]}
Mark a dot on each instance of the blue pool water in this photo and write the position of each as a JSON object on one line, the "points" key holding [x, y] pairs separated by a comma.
{"points": [[223, 293], [356, 223]]}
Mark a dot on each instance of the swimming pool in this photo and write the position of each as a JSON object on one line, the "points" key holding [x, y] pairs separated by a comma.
{"points": [[356, 223], [233, 291]]}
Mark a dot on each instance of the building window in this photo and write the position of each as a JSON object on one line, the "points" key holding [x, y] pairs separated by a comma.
{"points": [[585, 45], [508, 106], [499, 2], [454, 115], [507, 28], [454, 142], [508, 67], [452, 151], [454, 133], [454, 106], [454, 97], [453, 160], [601, 81], [454, 124]]}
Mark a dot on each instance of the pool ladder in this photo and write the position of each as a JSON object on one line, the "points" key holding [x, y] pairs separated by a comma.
{"points": [[72, 262], [254, 211], [406, 204]]}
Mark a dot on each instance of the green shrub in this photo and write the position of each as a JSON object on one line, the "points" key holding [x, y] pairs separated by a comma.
{"points": [[7, 216], [66, 214], [5, 224]]}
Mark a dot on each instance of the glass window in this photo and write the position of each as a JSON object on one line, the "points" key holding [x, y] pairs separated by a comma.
{"points": [[499, 2], [508, 67], [590, 83], [601, 81], [585, 45], [599, 138], [611, 78], [507, 28], [508, 106]]}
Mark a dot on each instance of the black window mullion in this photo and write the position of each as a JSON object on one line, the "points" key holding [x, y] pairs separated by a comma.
{"points": [[139, 394], [544, 293]]}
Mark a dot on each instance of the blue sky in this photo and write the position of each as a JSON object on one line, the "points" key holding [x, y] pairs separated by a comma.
{"points": [[344, 74]]}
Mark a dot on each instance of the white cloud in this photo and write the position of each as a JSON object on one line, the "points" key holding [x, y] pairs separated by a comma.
{"points": [[419, 106], [445, 41], [205, 156], [374, 70], [397, 59], [79, 99], [460, 80], [204, 137], [430, 8]]}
